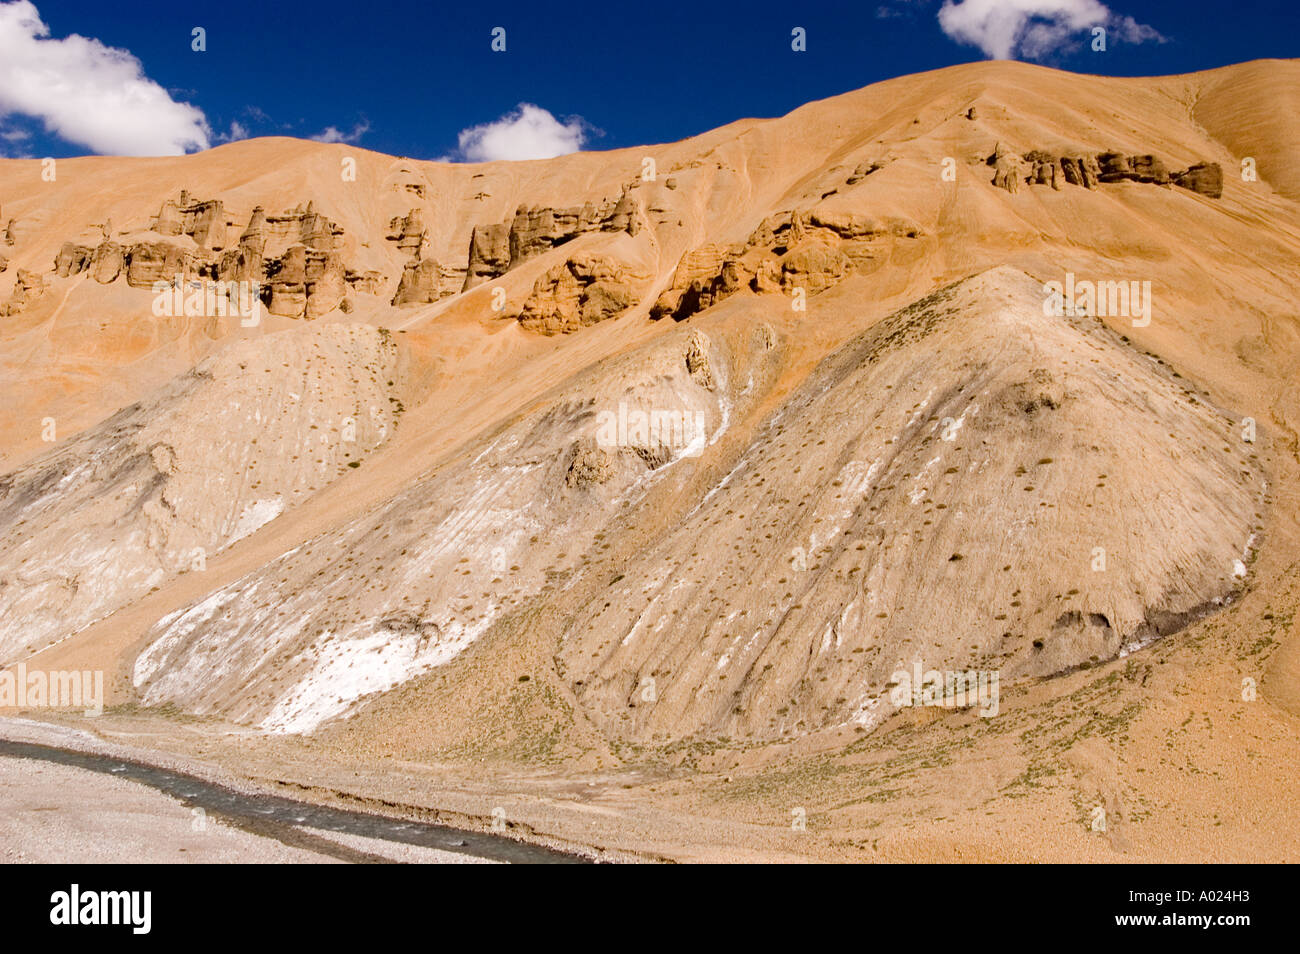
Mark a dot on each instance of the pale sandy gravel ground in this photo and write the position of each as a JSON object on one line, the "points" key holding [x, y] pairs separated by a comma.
{"points": [[395, 851], [57, 814], [51, 814]]}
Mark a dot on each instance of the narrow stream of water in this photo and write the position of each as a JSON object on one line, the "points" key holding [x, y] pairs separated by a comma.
{"points": [[263, 814]]}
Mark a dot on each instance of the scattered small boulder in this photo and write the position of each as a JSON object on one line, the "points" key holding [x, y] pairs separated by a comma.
{"points": [[697, 361], [589, 464], [863, 170]]}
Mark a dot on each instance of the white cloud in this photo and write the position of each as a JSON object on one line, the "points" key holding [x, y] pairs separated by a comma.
{"points": [[896, 9], [1034, 29], [88, 93], [14, 140], [334, 134], [237, 131], [1130, 31], [527, 132]]}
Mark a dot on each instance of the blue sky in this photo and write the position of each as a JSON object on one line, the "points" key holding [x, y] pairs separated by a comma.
{"points": [[409, 77]]}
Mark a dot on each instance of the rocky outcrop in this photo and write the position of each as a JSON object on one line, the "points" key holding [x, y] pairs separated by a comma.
{"points": [[204, 221], [1081, 171], [813, 265], [72, 259], [697, 361], [10, 236], [253, 237], [206, 224], [149, 262], [168, 220], [854, 226], [1116, 167], [536, 230], [245, 262], [1045, 169], [408, 232], [315, 230], [107, 262], [419, 284], [367, 283], [777, 232], [304, 283], [241, 264], [306, 280], [624, 218], [700, 293], [1008, 169], [1204, 177], [585, 290], [1041, 168], [589, 464], [810, 250], [864, 169], [489, 254], [1149, 169], [422, 280], [27, 288]]}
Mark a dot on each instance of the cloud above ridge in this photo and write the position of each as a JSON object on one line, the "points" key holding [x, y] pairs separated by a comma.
{"points": [[1033, 29], [88, 93], [526, 132]]}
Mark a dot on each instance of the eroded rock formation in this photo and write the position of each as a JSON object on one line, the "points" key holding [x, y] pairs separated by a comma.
{"points": [[489, 253], [203, 221], [585, 290], [1081, 171], [367, 283], [408, 232], [812, 251], [293, 256], [1204, 177], [72, 259], [590, 464], [1008, 169], [420, 283], [495, 249], [1037, 167], [863, 170], [698, 365], [150, 262], [814, 265], [105, 261], [305, 283], [28, 287]]}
